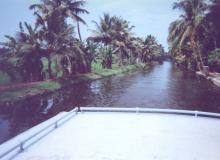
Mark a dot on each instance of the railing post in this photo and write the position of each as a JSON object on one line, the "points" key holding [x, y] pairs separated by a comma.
{"points": [[21, 147], [56, 125], [79, 110], [137, 110], [196, 113]]}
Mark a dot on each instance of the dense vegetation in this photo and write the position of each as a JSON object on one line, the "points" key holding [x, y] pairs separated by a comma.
{"points": [[50, 48], [194, 38]]}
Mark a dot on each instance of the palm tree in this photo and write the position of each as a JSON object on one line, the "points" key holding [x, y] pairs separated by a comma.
{"points": [[116, 36], [59, 10], [58, 36], [51, 38], [103, 35], [25, 49], [103, 30], [123, 39], [145, 51], [185, 30], [72, 9], [213, 17], [149, 48]]}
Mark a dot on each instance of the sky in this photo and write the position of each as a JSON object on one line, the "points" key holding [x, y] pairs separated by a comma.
{"points": [[148, 16]]}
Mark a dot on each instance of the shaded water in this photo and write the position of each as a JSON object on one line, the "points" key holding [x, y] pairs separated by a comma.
{"points": [[163, 86]]}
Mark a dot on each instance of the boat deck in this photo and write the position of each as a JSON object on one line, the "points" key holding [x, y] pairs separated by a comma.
{"points": [[128, 136]]}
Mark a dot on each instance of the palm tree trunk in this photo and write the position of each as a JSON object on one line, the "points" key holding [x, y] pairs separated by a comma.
{"points": [[50, 68], [200, 58], [215, 42], [108, 57], [69, 66], [120, 58], [79, 33], [197, 53]]}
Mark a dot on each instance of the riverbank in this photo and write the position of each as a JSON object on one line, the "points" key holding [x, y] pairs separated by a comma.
{"points": [[13, 93], [213, 77]]}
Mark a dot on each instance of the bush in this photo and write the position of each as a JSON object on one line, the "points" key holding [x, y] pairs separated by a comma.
{"points": [[4, 78], [214, 60]]}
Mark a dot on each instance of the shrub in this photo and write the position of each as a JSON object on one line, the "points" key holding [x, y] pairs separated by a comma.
{"points": [[214, 60]]}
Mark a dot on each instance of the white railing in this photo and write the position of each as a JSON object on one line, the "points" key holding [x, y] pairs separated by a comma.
{"points": [[150, 110], [12, 149], [17, 145]]}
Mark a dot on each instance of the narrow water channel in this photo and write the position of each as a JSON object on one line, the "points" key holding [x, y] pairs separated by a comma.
{"points": [[163, 86]]}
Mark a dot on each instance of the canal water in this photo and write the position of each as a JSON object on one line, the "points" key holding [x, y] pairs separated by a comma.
{"points": [[162, 86]]}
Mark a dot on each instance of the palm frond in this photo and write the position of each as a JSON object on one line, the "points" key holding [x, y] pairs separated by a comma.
{"points": [[79, 10], [21, 27], [12, 39], [75, 17]]}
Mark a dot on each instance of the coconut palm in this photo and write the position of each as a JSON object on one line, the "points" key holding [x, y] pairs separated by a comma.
{"points": [[24, 49], [103, 30], [58, 10], [213, 17], [150, 48], [116, 36], [186, 29], [123, 39], [58, 36], [72, 9], [103, 35], [149, 44]]}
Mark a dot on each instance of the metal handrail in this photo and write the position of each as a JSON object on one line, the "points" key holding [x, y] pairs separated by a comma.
{"points": [[55, 125], [151, 110], [69, 115]]}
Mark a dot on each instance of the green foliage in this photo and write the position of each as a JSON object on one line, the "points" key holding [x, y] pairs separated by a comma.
{"points": [[4, 78], [45, 67], [96, 66], [49, 49], [185, 31], [8, 66], [52, 40], [101, 72], [31, 90], [152, 51], [48, 86], [51, 86], [196, 33], [117, 43], [214, 60]]}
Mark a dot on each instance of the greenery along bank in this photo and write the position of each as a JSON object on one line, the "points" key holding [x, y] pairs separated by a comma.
{"points": [[194, 38], [50, 49], [23, 91]]}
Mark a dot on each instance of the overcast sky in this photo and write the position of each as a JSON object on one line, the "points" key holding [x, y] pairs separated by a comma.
{"points": [[148, 16]]}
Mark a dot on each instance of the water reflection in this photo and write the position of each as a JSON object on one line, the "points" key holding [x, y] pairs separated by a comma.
{"points": [[163, 86]]}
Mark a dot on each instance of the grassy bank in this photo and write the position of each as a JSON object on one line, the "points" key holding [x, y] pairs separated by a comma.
{"points": [[20, 92]]}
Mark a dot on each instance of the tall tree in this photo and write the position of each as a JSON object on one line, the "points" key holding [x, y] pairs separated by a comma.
{"points": [[151, 50], [58, 35], [213, 17], [61, 9], [25, 49], [116, 36], [186, 29], [103, 34]]}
